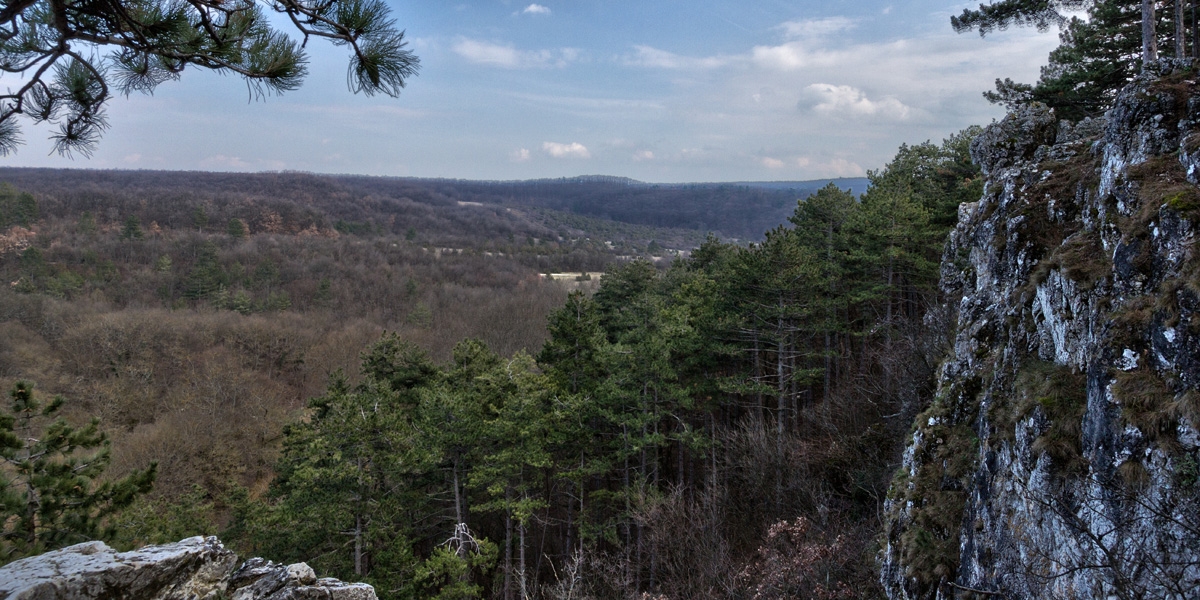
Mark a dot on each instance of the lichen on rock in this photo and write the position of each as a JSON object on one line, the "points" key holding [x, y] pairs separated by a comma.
{"points": [[1073, 381], [197, 568]]}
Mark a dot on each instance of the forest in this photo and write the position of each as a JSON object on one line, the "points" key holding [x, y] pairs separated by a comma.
{"points": [[674, 215], [594, 387], [729, 210], [383, 385]]}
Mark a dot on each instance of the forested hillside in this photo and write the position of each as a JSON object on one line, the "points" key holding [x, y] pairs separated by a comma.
{"points": [[595, 388], [725, 428], [732, 210], [384, 386], [196, 313]]}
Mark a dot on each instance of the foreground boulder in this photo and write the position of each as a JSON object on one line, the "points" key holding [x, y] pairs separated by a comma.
{"points": [[198, 568]]}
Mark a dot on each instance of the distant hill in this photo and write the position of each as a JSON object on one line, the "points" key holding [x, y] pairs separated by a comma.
{"points": [[857, 185], [740, 210]]}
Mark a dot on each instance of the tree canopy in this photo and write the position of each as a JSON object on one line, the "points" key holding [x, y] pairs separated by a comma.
{"points": [[52, 490], [671, 419], [1001, 15], [1098, 54], [58, 46]]}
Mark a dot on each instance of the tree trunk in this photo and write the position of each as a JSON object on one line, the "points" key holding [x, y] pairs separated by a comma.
{"points": [[1180, 31], [758, 376], [524, 588], [679, 444], [1149, 36], [507, 555], [653, 564], [358, 551], [1195, 32], [570, 522], [458, 514], [792, 406], [830, 316], [628, 504], [358, 525], [780, 396]]}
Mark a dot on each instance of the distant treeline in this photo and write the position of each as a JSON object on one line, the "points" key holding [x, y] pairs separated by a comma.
{"points": [[731, 210], [429, 212]]}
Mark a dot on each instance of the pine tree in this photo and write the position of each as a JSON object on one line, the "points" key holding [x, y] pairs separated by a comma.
{"points": [[1001, 15], [515, 462], [153, 41], [200, 218], [206, 277], [236, 228], [346, 488], [821, 222], [571, 353], [131, 229], [16, 208], [1097, 55], [51, 493]]}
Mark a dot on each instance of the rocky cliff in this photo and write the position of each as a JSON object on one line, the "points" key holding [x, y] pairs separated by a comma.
{"points": [[197, 568], [1059, 457]]}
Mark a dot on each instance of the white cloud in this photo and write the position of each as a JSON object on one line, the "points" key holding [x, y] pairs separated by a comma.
{"points": [[834, 167], [647, 56], [812, 28], [536, 9], [572, 150], [797, 55], [222, 162], [519, 155], [846, 100], [840, 167], [509, 57], [641, 155]]}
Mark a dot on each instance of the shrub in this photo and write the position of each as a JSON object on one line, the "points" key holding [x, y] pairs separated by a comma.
{"points": [[795, 561]]}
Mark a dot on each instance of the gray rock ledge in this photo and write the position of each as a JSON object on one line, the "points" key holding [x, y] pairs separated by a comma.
{"points": [[197, 568]]}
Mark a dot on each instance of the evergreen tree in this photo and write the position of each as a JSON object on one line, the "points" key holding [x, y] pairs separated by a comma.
{"points": [[615, 300], [200, 218], [153, 41], [16, 208], [1097, 56], [515, 461], [571, 354], [87, 223], [131, 229], [821, 222], [236, 228], [51, 489], [206, 276], [1006, 13], [347, 494]]}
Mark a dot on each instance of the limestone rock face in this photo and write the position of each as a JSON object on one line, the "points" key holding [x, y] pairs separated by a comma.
{"points": [[198, 568], [260, 579], [1015, 139], [1059, 457]]}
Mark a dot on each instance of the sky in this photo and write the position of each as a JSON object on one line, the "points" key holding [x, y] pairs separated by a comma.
{"points": [[656, 90]]}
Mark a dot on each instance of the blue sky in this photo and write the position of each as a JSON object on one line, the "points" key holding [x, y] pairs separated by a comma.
{"points": [[658, 90]]}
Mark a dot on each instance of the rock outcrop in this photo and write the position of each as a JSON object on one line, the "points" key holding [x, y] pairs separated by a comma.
{"points": [[198, 568], [1059, 457]]}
